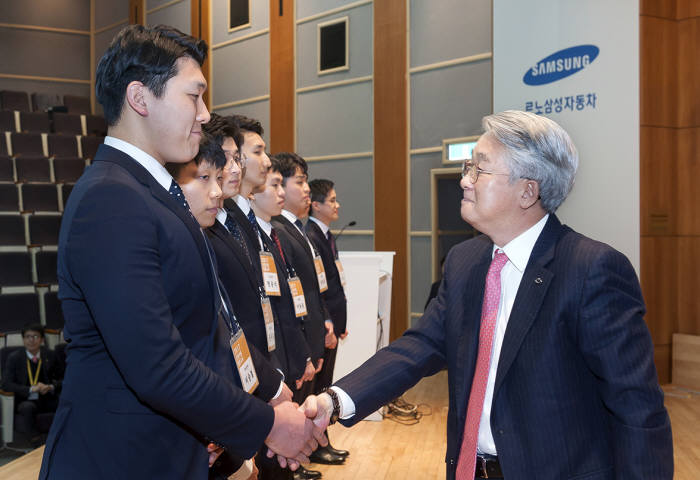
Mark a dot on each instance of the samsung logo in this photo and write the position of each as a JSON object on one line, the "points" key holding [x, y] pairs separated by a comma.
{"points": [[561, 64]]}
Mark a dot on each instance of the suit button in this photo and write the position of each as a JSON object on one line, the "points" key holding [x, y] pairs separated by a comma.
{"points": [[500, 431], [452, 461]]}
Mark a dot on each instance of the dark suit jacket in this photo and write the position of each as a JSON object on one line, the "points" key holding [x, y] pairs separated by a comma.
{"points": [[334, 297], [576, 392], [16, 379], [149, 376], [242, 280], [296, 250]]}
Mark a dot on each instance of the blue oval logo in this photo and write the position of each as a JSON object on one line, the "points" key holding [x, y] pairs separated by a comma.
{"points": [[561, 64]]}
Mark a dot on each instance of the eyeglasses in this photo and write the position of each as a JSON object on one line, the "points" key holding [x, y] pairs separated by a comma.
{"points": [[471, 170], [32, 336], [236, 157]]}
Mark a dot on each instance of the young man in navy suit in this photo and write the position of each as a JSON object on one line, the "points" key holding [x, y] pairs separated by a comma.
{"points": [[148, 383], [550, 364]]}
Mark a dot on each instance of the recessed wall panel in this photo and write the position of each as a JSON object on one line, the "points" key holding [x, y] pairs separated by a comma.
{"points": [[258, 110], [259, 20], [420, 188], [449, 102], [177, 15], [359, 48], [241, 70], [108, 12], [73, 14], [306, 8], [420, 272], [356, 243], [335, 120]]}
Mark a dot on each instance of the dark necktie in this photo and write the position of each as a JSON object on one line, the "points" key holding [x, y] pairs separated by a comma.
{"points": [[331, 240], [276, 239], [236, 232], [177, 192], [253, 221]]}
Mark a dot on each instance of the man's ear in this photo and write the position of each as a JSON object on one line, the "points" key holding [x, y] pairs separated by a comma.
{"points": [[530, 194], [136, 98], [314, 205]]}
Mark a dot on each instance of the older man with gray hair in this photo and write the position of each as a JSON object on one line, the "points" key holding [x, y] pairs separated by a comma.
{"points": [[550, 364]]}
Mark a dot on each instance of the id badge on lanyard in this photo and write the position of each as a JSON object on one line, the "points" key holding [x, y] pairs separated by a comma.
{"points": [[321, 274], [269, 272], [297, 296], [341, 272], [246, 369], [269, 323]]}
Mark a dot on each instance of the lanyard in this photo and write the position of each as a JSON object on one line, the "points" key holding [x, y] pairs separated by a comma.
{"points": [[33, 380]]}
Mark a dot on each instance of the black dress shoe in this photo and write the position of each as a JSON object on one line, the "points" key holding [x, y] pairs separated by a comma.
{"points": [[326, 457], [342, 453], [302, 473]]}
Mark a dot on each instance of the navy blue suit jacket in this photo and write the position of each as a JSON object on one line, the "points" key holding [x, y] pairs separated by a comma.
{"points": [[149, 374], [576, 392]]}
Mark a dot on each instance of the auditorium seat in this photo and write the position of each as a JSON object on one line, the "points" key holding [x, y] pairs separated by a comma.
{"points": [[67, 123], [34, 122], [96, 125], [13, 100], [68, 169], [42, 102], [54, 314], [9, 197], [7, 171], [46, 268], [65, 192], [26, 144], [18, 309], [43, 229], [33, 169], [62, 145], [7, 121], [39, 197], [77, 104], [3, 145], [15, 269], [12, 230], [89, 145]]}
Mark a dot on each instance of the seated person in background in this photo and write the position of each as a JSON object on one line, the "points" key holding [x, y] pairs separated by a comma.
{"points": [[34, 375]]}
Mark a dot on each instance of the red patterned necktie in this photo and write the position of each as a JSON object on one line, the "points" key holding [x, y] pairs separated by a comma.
{"points": [[466, 463]]}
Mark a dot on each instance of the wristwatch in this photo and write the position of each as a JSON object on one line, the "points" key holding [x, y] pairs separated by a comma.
{"points": [[336, 405]]}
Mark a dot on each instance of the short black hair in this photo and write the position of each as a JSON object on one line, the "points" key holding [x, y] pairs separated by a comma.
{"points": [[287, 164], [320, 188], [247, 124], [33, 327], [144, 54], [220, 126], [209, 150]]}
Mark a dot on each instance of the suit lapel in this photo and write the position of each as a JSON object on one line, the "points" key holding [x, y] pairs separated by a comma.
{"points": [[294, 232], [244, 224], [221, 233], [531, 293]]}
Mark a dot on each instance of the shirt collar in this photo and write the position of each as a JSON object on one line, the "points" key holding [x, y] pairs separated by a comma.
{"points": [[324, 228], [266, 226], [221, 216], [243, 203], [30, 356], [156, 170], [289, 215], [519, 249]]}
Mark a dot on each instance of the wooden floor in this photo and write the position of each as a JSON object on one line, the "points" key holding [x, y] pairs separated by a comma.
{"points": [[389, 451]]}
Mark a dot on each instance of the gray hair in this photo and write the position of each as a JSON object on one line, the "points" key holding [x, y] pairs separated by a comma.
{"points": [[536, 148]]}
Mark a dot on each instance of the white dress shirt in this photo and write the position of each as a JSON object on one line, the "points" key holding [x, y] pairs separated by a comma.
{"points": [[244, 204], [156, 170], [221, 217], [518, 252], [265, 225]]}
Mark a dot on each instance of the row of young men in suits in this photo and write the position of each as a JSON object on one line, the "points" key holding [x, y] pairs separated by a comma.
{"points": [[160, 378]]}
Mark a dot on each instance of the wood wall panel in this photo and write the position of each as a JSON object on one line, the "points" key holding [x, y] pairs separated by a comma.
{"points": [[658, 173], [662, 359], [282, 57], [137, 12], [391, 149], [689, 72], [658, 8], [659, 286], [688, 304], [688, 173], [686, 8], [200, 26], [658, 72]]}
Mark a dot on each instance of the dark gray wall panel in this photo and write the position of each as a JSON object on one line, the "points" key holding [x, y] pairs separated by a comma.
{"points": [[73, 14], [306, 8], [359, 41], [259, 20], [356, 243], [177, 15], [108, 12], [448, 29], [45, 54], [31, 86], [257, 110], [241, 70], [420, 272], [151, 4], [354, 186], [335, 120], [420, 188], [103, 39], [449, 102]]}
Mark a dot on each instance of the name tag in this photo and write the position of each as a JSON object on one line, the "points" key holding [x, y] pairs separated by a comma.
{"points": [[246, 369], [269, 323], [297, 296], [320, 273], [269, 272], [341, 272]]}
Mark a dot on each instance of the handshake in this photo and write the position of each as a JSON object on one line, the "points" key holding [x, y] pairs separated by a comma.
{"points": [[298, 430]]}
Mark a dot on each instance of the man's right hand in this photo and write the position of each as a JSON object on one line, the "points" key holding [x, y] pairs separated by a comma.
{"points": [[308, 375], [294, 436]]}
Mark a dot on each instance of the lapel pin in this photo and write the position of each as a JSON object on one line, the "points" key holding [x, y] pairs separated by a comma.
{"points": [[538, 280]]}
